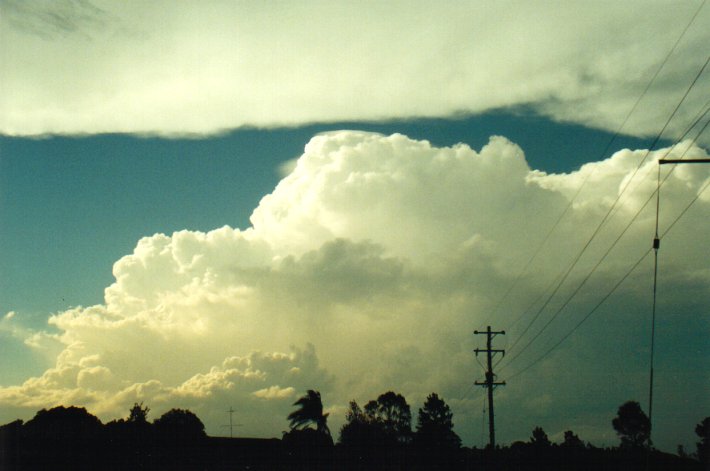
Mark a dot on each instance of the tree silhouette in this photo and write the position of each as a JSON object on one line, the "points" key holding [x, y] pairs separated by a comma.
{"points": [[180, 424], [392, 412], [703, 431], [360, 431], [305, 447], [435, 427], [632, 425], [138, 414], [539, 438], [376, 437], [571, 440], [61, 437], [66, 423], [131, 439], [356, 428], [310, 412]]}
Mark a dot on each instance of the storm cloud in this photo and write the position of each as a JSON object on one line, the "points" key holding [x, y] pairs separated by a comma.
{"points": [[367, 269]]}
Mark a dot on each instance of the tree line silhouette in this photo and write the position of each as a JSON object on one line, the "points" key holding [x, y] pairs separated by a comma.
{"points": [[376, 436]]}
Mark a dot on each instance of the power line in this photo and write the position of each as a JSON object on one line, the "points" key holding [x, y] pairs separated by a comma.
{"points": [[592, 311], [633, 219], [605, 218], [564, 212], [696, 120], [637, 213], [584, 182], [611, 247], [614, 288]]}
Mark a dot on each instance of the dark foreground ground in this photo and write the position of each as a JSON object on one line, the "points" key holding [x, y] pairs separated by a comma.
{"points": [[143, 452]]}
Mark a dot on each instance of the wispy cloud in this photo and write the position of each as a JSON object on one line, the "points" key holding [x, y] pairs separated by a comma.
{"points": [[56, 19], [198, 69]]}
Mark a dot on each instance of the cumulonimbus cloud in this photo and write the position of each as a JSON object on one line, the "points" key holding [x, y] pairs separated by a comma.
{"points": [[365, 270], [94, 67]]}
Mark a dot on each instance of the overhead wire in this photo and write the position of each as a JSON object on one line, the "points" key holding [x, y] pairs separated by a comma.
{"points": [[592, 311], [614, 288], [606, 216], [511, 358], [542, 294], [631, 221], [616, 134], [696, 120], [569, 205]]}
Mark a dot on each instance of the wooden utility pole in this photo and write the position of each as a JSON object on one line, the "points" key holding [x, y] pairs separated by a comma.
{"points": [[490, 381]]}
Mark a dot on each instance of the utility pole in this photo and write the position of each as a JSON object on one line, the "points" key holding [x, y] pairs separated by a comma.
{"points": [[490, 382], [656, 246]]}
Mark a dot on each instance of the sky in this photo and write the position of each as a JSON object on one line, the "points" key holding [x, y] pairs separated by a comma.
{"points": [[224, 204]]}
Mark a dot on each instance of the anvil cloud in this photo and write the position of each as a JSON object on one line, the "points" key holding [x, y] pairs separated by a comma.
{"points": [[79, 67]]}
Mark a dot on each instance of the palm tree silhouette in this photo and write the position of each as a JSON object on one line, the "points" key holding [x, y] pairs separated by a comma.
{"points": [[311, 411]]}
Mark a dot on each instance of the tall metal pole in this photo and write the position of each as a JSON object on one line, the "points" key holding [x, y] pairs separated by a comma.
{"points": [[656, 246], [490, 382]]}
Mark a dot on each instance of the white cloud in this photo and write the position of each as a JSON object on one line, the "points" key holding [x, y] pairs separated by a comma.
{"points": [[376, 257], [275, 392], [77, 67]]}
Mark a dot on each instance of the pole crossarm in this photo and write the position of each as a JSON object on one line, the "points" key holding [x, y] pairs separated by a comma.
{"points": [[483, 350], [683, 161], [486, 332]]}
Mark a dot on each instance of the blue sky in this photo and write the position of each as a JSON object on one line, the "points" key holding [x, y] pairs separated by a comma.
{"points": [[400, 162]]}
